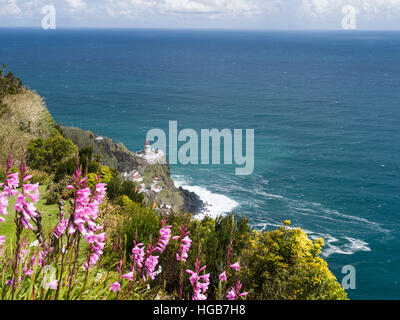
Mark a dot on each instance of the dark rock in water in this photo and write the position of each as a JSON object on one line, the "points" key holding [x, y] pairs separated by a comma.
{"points": [[192, 202]]}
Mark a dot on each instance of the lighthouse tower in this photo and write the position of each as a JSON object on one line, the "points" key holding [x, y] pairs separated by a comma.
{"points": [[147, 148]]}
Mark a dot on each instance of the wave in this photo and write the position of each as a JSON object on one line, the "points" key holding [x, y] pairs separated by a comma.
{"points": [[343, 244], [216, 204]]}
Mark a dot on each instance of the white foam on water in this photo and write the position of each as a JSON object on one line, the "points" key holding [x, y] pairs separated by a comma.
{"points": [[216, 204]]}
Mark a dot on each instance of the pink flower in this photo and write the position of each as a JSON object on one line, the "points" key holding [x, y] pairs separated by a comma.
{"points": [[26, 271], [60, 228], [12, 180], [32, 191], [222, 277], [199, 288], [235, 266], [2, 240], [115, 287], [10, 282], [52, 285], [234, 293], [150, 266], [186, 242], [128, 276], [165, 235], [85, 215], [3, 205], [138, 255], [231, 294], [27, 210], [119, 266]]}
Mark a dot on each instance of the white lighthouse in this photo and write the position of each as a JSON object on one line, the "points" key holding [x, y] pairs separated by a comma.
{"points": [[150, 155], [147, 148]]}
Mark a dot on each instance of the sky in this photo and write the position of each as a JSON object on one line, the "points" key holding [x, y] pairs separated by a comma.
{"points": [[215, 14]]}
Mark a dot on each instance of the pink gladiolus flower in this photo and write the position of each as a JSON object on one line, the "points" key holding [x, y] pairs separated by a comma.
{"points": [[85, 216], [222, 277], [150, 266], [52, 285], [231, 294], [165, 235], [60, 228], [115, 287], [9, 189], [138, 254], [235, 266], [2, 240], [12, 180], [128, 276], [234, 293], [32, 191], [26, 208], [10, 282], [186, 242], [3, 206], [26, 271], [199, 288], [119, 266]]}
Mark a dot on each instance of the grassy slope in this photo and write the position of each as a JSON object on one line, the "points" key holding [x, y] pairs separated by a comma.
{"points": [[26, 118]]}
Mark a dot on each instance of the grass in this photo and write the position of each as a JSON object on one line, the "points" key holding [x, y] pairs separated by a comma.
{"points": [[26, 118], [49, 219]]}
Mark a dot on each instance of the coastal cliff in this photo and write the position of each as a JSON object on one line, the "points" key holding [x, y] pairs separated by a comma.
{"points": [[117, 156], [24, 117]]}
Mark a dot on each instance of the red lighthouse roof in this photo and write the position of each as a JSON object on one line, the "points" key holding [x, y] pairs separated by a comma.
{"points": [[147, 143]]}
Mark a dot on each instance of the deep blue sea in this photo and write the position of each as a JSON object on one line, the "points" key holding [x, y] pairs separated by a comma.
{"points": [[325, 107]]}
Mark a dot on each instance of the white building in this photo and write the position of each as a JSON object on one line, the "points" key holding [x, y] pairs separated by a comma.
{"points": [[156, 189], [152, 156], [137, 177]]}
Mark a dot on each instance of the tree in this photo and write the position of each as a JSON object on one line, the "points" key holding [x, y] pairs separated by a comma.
{"points": [[285, 264], [46, 154]]}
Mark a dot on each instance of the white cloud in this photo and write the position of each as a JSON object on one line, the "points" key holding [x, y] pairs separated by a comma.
{"points": [[367, 8], [76, 5], [208, 13], [211, 7], [185, 6], [9, 7]]}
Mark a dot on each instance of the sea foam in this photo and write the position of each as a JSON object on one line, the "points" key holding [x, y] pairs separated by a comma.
{"points": [[216, 204]]}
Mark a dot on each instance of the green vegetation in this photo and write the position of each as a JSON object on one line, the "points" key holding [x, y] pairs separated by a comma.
{"points": [[285, 264], [9, 84], [118, 187], [274, 264], [46, 154], [23, 117]]}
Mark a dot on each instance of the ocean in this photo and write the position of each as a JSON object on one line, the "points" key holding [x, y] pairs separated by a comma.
{"points": [[325, 107]]}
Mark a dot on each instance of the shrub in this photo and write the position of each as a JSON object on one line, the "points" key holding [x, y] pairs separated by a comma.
{"points": [[58, 190], [118, 186], [140, 221], [46, 154], [285, 264], [106, 175], [64, 169], [39, 176], [89, 164]]}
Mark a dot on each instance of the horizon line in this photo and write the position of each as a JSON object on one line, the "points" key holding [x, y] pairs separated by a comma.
{"points": [[200, 29]]}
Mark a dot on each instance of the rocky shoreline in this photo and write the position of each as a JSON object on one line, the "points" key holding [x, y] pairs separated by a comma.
{"points": [[192, 202]]}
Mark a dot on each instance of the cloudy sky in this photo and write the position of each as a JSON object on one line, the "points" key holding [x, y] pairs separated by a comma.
{"points": [[240, 14]]}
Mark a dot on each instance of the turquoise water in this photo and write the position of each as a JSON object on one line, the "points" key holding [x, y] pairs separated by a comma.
{"points": [[324, 106]]}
